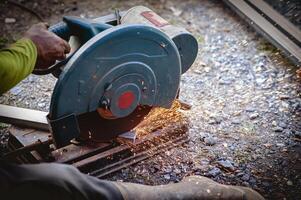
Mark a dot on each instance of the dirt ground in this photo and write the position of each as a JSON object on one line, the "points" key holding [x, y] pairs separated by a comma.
{"points": [[245, 120]]}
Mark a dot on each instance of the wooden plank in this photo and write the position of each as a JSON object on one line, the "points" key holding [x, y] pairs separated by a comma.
{"points": [[23, 117], [263, 26]]}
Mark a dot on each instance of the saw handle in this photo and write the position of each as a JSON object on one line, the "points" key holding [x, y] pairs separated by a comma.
{"points": [[62, 30], [84, 29]]}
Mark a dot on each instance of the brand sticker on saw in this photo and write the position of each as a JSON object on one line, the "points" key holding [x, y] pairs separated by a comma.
{"points": [[154, 18]]}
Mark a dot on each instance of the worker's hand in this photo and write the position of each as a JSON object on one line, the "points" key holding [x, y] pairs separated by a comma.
{"points": [[50, 47]]}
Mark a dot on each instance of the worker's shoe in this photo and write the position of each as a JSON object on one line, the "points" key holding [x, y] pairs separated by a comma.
{"points": [[193, 187]]}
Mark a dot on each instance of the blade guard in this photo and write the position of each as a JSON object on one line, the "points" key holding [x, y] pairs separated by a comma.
{"points": [[136, 58]]}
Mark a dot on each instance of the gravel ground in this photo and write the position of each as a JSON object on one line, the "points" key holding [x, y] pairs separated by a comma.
{"points": [[245, 126]]}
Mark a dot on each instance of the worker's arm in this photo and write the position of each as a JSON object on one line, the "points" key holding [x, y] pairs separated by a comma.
{"points": [[39, 48], [16, 63]]}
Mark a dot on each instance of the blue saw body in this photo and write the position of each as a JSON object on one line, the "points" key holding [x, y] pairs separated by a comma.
{"points": [[113, 80]]}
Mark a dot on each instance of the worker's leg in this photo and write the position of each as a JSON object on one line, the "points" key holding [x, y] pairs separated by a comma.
{"points": [[57, 181], [193, 187], [52, 181]]}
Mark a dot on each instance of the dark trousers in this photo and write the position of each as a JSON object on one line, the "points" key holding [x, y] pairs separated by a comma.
{"points": [[52, 181]]}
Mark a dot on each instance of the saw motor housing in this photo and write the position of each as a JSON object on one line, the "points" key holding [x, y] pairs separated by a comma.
{"points": [[118, 74]]}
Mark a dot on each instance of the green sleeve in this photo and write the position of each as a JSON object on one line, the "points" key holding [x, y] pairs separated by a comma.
{"points": [[16, 63]]}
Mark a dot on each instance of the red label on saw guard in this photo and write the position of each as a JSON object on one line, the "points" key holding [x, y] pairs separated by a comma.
{"points": [[154, 18], [125, 100]]}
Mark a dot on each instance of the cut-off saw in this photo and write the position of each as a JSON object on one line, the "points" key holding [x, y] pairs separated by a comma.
{"points": [[122, 66]]}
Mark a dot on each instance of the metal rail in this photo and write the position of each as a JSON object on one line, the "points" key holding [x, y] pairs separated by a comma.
{"points": [[277, 18], [280, 39]]}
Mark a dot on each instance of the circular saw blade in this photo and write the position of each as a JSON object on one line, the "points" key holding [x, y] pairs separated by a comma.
{"points": [[96, 128]]}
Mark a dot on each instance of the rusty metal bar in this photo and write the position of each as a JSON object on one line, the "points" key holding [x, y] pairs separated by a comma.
{"points": [[74, 153], [27, 149], [116, 166], [122, 147]]}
